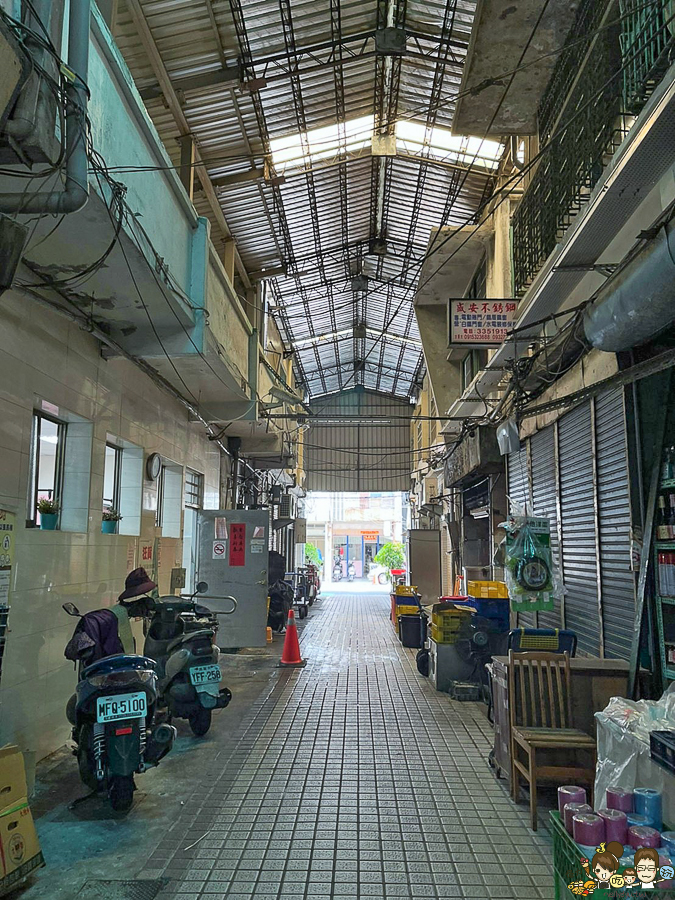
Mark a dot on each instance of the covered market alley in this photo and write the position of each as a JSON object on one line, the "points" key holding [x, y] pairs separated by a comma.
{"points": [[337, 448]]}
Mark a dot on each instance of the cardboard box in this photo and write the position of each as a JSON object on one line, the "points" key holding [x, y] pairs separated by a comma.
{"points": [[20, 850]]}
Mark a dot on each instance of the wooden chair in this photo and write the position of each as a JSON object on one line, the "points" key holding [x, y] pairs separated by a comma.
{"points": [[540, 713]]}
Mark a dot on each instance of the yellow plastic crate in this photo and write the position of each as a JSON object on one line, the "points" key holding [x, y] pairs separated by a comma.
{"points": [[487, 589], [442, 636], [450, 617], [406, 609], [406, 590]]}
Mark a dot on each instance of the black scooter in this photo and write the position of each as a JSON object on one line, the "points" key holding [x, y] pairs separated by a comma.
{"points": [[181, 638], [112, 716]]}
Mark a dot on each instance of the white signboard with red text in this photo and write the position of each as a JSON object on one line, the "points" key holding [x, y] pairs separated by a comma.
{"points": [[481, 323]]}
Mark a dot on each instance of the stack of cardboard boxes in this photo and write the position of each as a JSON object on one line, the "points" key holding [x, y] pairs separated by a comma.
{"points": [[20, 850]]}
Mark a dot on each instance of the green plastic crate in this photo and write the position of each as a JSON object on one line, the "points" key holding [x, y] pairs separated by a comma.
{"points": [[566, 858]]}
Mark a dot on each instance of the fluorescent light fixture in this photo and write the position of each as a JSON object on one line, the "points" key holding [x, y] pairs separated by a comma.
{"points": [[49, 438]]}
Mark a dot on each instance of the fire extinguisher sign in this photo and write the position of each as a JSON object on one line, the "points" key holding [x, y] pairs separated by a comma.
{"points": [[237, 544]]}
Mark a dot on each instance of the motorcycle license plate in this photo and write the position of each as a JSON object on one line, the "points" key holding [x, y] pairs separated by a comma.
{"points": [[121, 706], [205, 674]]}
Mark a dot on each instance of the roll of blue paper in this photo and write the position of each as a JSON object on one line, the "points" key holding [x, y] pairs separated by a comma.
{"points": [[638, 819], [647, 802]]}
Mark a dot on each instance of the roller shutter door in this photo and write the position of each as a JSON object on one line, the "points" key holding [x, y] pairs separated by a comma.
{"points": [[519, 491], [577, 504], [542, 449], [618, 581]]}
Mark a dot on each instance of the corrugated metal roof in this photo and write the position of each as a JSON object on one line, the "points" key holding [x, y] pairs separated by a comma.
{"points": [[315, 64]]}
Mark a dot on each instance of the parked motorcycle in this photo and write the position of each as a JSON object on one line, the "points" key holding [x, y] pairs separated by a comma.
{"points": [[314, 583], [281, 601], [112, 711], [337, 572], [351, 572], [182, 640]]}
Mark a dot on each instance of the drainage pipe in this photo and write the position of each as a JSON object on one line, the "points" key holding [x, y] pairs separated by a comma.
{"points": [[76, 191], [639, 301]]}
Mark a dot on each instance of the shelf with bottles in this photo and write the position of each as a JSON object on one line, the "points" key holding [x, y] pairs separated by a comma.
{"points": [[665, 573]]}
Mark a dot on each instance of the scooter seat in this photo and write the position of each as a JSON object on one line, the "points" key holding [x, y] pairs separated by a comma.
{"points": [[188, 637], [119, 661]]}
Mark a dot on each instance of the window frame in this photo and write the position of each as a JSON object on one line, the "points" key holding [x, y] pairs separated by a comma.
{"points": [[117, 476], [34, 489], [191, 474]]}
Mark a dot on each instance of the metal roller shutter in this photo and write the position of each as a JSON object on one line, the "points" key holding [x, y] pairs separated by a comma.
{"points": [[618, 581], [542, 450], [519, 491], [578, 528]]}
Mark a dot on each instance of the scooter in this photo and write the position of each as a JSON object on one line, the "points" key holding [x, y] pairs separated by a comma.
{"points": [[112, 714], [337, 572], [181, 638], [351, 572]]}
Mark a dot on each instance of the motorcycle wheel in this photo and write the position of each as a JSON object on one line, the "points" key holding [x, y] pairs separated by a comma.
{"points": [[200, 721], [121, 792], [85, 759], [382, 578]]}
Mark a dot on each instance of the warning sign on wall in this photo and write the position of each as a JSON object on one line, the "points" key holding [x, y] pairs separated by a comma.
{"points": [[218, 549]]}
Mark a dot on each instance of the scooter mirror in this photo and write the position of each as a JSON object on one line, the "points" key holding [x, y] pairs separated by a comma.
{"points": [[71, 609], [202, 587]]}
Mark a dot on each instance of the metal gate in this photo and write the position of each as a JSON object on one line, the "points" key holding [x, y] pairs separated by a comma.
{"points": [[544, 492], [519, 492], [233, 557], [614, 520], [579, 549]]}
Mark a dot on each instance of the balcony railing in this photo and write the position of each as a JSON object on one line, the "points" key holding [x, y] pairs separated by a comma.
{"points": [[599, 84]]}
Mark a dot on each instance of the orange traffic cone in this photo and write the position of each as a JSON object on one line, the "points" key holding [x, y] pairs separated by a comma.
{"points": [[291, 655]]}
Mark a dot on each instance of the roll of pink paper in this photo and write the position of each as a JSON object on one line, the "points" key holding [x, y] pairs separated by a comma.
{"points": [[569, 793], [616, 825], [571, 810], [617, 798], [642, 836], [588, 829]]}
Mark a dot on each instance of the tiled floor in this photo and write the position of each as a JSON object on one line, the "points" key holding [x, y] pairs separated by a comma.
{"points": [[354, 778]]}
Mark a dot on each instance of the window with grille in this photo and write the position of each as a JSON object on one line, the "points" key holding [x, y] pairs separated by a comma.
{"points": [[194, 490]]}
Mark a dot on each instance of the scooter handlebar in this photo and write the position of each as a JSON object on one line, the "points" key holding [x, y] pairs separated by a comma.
{"points": [[213, 597]]}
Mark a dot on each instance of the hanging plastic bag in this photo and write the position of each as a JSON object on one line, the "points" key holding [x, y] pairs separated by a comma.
{"points": [[531, 577]]}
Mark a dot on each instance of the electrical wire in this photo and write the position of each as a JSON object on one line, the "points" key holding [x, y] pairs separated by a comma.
{"points": [[505, 194]]}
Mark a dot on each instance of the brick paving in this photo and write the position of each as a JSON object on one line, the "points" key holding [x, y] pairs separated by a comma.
{"points": [[354, 778]]}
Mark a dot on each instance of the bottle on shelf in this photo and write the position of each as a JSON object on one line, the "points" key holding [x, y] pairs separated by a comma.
{"points": [[668, 465], [663, 531], [671, 515]]}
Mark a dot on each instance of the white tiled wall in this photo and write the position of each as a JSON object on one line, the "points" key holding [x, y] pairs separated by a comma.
{"points": [[43, 355]]}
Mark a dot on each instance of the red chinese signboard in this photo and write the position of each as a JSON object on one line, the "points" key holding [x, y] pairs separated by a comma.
{"points": [[481, 323], [237, 544]]}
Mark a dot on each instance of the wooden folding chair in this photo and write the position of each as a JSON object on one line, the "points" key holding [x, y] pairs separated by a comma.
{"points": [[540, 711]]}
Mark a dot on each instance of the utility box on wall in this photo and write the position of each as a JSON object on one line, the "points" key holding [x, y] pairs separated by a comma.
{"points": [[477, 454]]}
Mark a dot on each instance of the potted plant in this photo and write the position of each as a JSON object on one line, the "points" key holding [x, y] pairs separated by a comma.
{"points": [[49, 513], [110, 519]]}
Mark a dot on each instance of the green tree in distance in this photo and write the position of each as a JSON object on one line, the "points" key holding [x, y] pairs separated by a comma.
{"points": [[312, 555], [391, 555]]}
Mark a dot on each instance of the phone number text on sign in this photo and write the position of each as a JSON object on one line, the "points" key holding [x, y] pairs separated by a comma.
{"points": [[481, 322]]}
